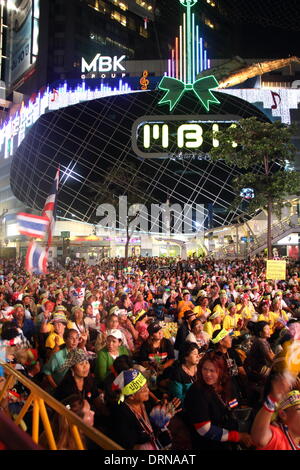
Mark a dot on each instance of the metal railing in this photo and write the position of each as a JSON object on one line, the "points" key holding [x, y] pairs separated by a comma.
{"points": [[278, 229], [38, 399]]}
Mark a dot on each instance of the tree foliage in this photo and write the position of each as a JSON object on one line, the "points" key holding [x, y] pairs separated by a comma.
{"points": [[263, 151]]}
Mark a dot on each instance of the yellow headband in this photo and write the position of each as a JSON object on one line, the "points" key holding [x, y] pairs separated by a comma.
{"points": [[133, 387], [223, 333]]}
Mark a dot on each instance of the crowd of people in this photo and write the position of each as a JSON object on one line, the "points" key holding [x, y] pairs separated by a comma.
{"points": [[159, 353]]}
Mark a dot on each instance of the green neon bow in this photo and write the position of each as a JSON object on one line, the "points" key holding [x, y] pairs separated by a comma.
{"points": [[176, 88]]}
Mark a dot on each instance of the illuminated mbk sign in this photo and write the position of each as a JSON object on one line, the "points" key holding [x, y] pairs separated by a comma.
{"points": [[177, 136], [103, 64]]}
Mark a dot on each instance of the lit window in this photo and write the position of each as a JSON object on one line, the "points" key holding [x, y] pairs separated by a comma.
{"points": [[121, 5], [209, 23], [115, 15], [144, 4]]}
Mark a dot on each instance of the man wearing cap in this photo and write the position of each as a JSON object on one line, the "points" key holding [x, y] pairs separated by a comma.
{"points": [[284, 406]]}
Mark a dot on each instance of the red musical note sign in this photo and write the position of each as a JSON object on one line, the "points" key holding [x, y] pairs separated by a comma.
{"points": [[274, 96], [55, 95], [143, 81]]}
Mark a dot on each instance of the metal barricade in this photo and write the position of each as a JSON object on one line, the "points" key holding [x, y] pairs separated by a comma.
{"points": [[38, 399]]}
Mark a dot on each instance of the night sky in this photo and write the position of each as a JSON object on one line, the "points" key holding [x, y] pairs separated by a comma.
{"points": [[258, 28]]}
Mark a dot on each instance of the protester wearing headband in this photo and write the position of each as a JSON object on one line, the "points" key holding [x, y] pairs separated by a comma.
{"points": [[134, 428], [222, 341], [283, 407], [213, 323]]}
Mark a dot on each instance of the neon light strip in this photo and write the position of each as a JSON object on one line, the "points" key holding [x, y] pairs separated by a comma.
{"points": [[205, 59], [189, 43], [197, 51], [173, 63], [193, 44], [169, 68], [184, 47], [208, 63], [176, 57], [180, 53], [13, 131], [201, 55]]}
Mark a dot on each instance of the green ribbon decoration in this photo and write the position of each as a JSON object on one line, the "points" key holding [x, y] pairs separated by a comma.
{"points": [[176, 88]]}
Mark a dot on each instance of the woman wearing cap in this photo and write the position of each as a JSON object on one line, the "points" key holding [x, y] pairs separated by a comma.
{"points": [[56, 339], [277, 424], [133, 427], [106, 356], [78, 379], [208, 405], [156, 352], [213, 323], [197, 335]]}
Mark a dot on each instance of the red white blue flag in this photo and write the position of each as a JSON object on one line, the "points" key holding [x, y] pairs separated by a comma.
{"points": [[233, 403], [36, 259], [50, 208], [32, 225]]}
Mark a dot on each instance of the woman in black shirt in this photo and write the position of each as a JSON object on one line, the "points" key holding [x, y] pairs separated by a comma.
{"points": [[208, 406]]}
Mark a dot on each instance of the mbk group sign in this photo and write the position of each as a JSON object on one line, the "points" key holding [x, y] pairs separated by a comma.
{"points": [[103, 66]]}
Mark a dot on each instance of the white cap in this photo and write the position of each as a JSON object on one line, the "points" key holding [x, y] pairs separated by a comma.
{"points": [[115, 333]]}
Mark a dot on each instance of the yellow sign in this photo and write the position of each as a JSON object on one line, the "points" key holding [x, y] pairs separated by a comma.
{"points": [[293, 358], [276, 270]]}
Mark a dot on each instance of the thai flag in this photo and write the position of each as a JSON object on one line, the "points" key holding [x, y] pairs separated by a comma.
{"points": [[32, 225], [233, 403], [50, 208], [36, 259]]}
